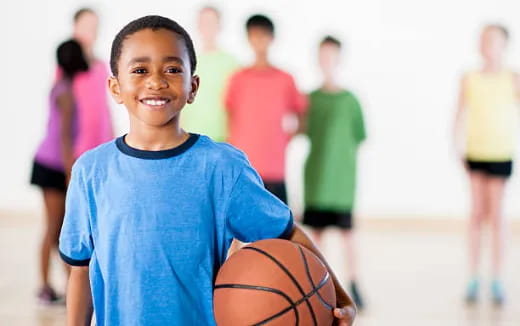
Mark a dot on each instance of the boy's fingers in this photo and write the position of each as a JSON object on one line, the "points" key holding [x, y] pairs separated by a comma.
{"points": [[340, 314]]}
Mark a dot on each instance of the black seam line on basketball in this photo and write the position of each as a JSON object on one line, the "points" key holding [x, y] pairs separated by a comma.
{"points": [[266, 289], [328, 306], [293, 306], [293, 279], [297, 303]]}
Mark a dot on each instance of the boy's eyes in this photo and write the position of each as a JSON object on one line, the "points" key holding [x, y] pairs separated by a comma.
{"points": [[174, 70], [170, 70], [139, 71]]}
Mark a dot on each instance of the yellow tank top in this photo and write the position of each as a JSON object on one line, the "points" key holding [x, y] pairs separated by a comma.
{"points": [[492, 117]]}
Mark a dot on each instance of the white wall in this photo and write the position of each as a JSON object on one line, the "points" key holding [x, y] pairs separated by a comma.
{"points": [[403, 58]]}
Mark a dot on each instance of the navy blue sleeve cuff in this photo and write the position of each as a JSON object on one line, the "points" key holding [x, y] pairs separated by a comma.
{"points": [[287, 232], [74, 262]]}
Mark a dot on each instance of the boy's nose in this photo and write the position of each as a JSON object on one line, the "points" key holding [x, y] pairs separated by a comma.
{"points": [[156, 82]]}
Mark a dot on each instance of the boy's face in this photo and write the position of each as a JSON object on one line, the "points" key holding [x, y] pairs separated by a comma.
{"points": [[209, 25], [329, 58], [85, 29], [260, 39], [154, 80], [492, 44]]}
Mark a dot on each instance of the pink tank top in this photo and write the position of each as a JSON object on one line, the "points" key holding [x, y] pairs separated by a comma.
{"points": [[93, 112]]}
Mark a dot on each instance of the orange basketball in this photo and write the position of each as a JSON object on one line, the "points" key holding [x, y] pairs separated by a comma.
{"points": [[275, 283]]}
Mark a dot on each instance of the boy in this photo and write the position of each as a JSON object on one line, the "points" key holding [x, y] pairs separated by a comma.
{"points": [[488, 101], [335, 128], [150, 216], [259, 100], [207, 114]]}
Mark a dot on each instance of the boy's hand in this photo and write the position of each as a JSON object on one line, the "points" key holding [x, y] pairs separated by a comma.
{"points": [[344, 316], [345, 312]]}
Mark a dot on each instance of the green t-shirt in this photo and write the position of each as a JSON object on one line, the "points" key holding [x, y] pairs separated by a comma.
{"points": [[335, 128], [207, 114]]}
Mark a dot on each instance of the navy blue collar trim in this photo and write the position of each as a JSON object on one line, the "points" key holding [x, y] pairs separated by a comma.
{"points": [[155, 155]]}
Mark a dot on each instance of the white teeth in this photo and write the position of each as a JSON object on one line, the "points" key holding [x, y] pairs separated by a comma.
{"points": [[154, 102]]}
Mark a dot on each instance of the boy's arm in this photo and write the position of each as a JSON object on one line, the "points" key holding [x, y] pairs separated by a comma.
{"points": [[459, 116], [517, 85], [299, 105], [346, 309], [359, 123], [302, 123], [79, 297], [66, 104]]}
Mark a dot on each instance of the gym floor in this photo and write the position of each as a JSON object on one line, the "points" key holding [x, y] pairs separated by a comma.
{"points": [[410, 274]]}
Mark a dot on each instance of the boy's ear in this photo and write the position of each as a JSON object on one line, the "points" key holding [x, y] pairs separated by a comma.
{"points": [[113, 87], [195, 83]]}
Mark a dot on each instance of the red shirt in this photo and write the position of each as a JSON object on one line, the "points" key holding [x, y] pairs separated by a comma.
{"points": [[257, 101]]}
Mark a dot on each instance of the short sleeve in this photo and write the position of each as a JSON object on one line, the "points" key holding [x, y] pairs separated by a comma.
{"points": [[254, 213], [297, 100], [75, 243], [358, 122]]}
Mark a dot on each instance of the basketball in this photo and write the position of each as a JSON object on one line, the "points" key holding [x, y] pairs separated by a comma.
{"points": [[274, 282]]}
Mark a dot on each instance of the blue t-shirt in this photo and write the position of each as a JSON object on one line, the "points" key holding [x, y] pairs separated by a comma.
{"points": [[155, 226]]}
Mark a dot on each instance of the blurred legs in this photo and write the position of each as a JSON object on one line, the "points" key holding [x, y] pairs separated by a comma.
{"points": [[54, 209], [478, 212]]}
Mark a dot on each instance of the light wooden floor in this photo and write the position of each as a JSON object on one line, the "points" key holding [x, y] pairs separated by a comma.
{"points": [[410, 276]]}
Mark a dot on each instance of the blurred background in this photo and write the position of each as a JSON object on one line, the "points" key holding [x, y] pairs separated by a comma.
{"points": [[403, 59]]}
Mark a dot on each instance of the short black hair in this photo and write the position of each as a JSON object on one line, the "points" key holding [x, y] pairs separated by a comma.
{"points": [[152, 22], [70, 58], [260, 21], [501, 28], [330, 40], [82, 11]]}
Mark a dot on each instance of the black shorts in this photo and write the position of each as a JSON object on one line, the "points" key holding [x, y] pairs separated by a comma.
{"points": [[46, 177], [277, 189], [319, 218], [496, 169]]}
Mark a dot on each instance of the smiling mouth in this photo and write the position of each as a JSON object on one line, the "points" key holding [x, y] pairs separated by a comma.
{"points": [[155, 102]]}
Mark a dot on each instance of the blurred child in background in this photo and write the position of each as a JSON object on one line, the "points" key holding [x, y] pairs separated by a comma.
{"points": [[259, 99], [335, 129], [55, 156], [207, 114], [486, 130], [94, 120]]}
